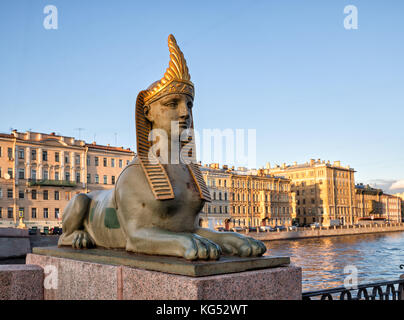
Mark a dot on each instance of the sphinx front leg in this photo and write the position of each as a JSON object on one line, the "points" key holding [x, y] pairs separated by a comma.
{"points": [[234, 243], [157, 241]]}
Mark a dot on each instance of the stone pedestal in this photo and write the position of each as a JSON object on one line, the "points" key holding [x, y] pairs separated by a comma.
{"points": [[21, 282], [78, 279], [14, 243]]}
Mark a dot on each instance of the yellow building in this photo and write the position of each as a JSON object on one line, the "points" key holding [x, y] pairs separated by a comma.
{"points": [[259, 199], [39, 173], [217, 212], [324, 191]]}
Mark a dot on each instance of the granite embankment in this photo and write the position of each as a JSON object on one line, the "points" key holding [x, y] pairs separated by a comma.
{"points": [[303, 233]]}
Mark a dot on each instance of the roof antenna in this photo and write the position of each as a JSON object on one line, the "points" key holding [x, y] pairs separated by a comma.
{"points": [[79, 129]]}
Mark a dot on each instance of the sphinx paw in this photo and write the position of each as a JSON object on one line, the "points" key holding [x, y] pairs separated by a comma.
{"points": [[240, 245], [82, 240], [201, 248]]}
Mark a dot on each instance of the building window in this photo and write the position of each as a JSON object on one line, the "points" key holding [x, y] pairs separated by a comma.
{"points": [[10, 212], [10, 172], [120, 163], [21, 153], [97, 179], [57, 157], [56, 195], [33, 174], [10, 193], [33, 154], [67, 157], [1, 209], [45, 195], [56, 213], [88, 178], [113, 179], [33, 194], [67, 176], [21, 173], [20, 194], [33, 213], [88, 160], [56, 175], [0, 172], [105, 162], [44, 155], [127, 162], [113, 163], [67, 195], [45, 213], [105, 180], [77, 159], [96, 161], [45, 175], [1, 193], [77, 177]]}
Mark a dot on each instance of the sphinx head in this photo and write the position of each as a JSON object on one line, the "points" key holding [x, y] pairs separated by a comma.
{"points": [[170, 111], [164, 109]]}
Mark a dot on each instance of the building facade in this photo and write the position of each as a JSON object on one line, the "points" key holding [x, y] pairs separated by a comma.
{"points": [[216, 213], [374, 203], [324, 191], [246, 198], [40, 173]]}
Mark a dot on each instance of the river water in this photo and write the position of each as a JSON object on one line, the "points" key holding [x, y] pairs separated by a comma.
{"points": [[377, 257]]}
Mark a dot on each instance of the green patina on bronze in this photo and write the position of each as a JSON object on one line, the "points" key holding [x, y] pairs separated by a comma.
{"points": [[111, 219], [92, 213]]}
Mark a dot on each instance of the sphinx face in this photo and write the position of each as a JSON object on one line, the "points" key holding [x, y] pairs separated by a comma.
{"points": [[168, 109]]}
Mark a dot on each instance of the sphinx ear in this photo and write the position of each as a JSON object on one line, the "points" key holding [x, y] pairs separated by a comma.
{"points": [[147, 114]]}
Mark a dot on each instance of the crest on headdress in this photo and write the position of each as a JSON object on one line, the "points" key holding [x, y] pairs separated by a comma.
{"points": [[175, 80]]}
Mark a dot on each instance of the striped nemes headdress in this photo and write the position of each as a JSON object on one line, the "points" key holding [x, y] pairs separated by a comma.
{"points": [[176, 80]]}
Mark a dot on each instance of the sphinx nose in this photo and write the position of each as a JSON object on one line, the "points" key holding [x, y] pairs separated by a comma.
{"points": [[184, 111]]}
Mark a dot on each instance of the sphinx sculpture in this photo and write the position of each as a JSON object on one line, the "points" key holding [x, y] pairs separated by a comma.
{"points": [[153, 207]]}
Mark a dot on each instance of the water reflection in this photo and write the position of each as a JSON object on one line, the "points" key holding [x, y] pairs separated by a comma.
{"points": [[376, 256]]}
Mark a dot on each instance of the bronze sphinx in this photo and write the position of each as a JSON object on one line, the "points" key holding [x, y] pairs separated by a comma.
{"points": [[153, 208]]}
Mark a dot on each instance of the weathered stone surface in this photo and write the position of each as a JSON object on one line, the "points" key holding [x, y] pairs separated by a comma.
{"points": [[226, 264], [13, 232], [21, 282], [283, 283], [79, 280], [13, 243], [88, 280]]}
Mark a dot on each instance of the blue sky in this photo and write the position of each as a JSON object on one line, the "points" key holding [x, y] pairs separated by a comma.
{"points": [[288, 69]]}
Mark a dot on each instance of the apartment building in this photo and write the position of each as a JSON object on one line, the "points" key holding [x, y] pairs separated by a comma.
{"points": [[217, 212], [324, 191], [40, 173], [247, 197]]}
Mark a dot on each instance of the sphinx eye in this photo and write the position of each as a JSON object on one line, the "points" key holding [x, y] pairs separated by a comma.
{"points": [[171, 103], [190, 104]]}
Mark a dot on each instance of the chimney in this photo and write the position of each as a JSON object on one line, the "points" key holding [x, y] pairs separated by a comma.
{"points": [[312, 161], [268, 165]]}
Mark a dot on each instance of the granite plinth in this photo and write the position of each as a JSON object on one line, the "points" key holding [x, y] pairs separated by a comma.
{"points": [[21, 282], [93, 281], [199, 268], [14, 243]]}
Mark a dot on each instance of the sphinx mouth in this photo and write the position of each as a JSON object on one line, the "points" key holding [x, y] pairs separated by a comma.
{"points": [[183, 125]]}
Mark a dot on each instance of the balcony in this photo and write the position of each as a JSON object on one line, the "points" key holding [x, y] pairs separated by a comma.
{"points": [[51, 183]]}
